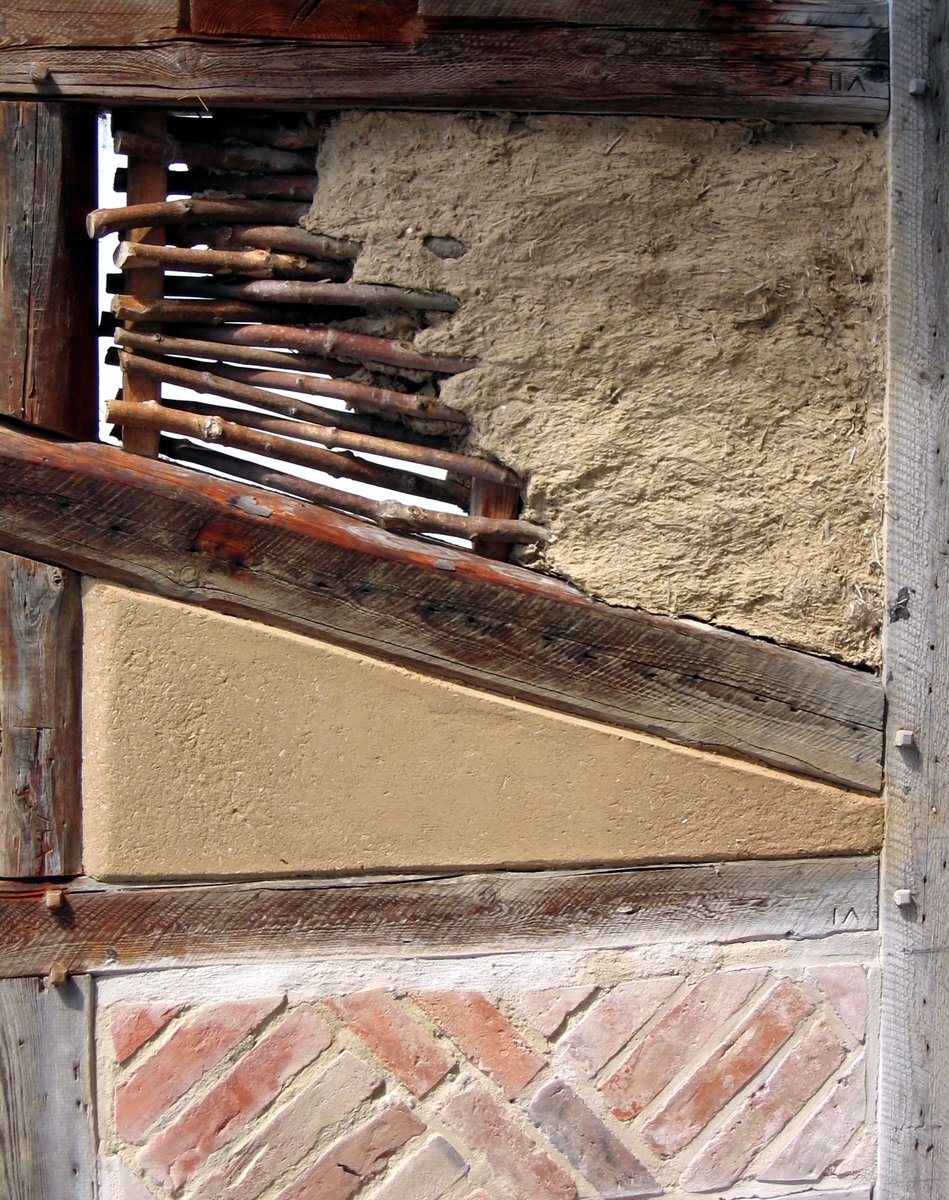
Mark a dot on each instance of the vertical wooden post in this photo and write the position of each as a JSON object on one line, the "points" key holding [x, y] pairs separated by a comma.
{"points": [[47, 1139], [147, 181], [914, 1090], [40, 750], [47, 266], [493, 500]]}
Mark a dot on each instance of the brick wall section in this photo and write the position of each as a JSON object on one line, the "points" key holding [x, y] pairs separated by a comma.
{"points": [[746, 1082]]}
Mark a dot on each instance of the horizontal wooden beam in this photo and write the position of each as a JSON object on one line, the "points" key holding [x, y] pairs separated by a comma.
{"points": [[98, 928], [668, 14], [808, 73], [252, 553]]}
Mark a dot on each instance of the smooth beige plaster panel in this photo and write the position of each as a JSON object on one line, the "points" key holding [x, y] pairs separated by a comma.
{"points": [[216, 747]]}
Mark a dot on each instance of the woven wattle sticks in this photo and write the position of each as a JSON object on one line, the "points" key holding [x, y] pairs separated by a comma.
{"points": [[165, 150], [253, 310], [406, 518], [289, 239], [390, 514], [336, 343], [256, 129], [360, 396], [212, 428], [307, 411], [314, 288], [421, 486], [327, 435], [195, 211], [214, 184], [157, 344], [259, 263], [214, 312]]}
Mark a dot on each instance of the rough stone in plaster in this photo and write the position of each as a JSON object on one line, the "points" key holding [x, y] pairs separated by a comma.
{"points": [[680, 331], [214, 746]]}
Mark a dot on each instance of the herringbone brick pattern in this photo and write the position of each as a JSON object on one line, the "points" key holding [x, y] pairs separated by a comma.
{"points": [[745, 1078]]}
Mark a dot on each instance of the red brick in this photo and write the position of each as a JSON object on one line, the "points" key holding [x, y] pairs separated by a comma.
{"points": [[680, 1035], [610, 1024], [135, 1024], [356, 1158], [208, 1035], [608, 1164], [485, 1035], [845, 987], [766, 1111], [407, 1049], [822, 1139], [548, 1008], [211, 1121], [280, 1144], [525, 1170], [427, 1175], [727, 1069]]}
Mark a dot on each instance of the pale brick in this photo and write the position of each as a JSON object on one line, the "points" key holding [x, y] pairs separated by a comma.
{"points": [[211, 1121], [276, 1147], [845, 987], [727, 1069], [485, 1035], [356, 1158], [408, 1050], [766, 1111], [675, 1039], [208, 1035], [612, 1168], [525, 1170], [610, 1024], [427, 1175], [548, 1008], [480, 1194], [135, 1024], [827, 1132], [861, 1157]]}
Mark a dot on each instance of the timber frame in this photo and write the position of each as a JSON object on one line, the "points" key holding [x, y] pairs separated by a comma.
{"points": [[77, 506]]}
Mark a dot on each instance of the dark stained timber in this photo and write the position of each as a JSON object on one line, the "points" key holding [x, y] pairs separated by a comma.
{"points": [[228, 547], [825, 68]]}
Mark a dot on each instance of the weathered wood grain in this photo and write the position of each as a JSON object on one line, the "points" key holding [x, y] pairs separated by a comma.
{"points": [[667, 14], [100, 928], [47, 1136], [914, 1096], [47, 273], [330, 20], [225, 546], [789, 73], [37, 23], [40, 749]]}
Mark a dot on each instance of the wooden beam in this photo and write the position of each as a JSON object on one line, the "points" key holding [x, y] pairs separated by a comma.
{"points": [[47, 1133], [914, 1096], [812, 73], [239, 550], [667, 14], [100, 928], [40, 665], [329, 20], [48, 282]]}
